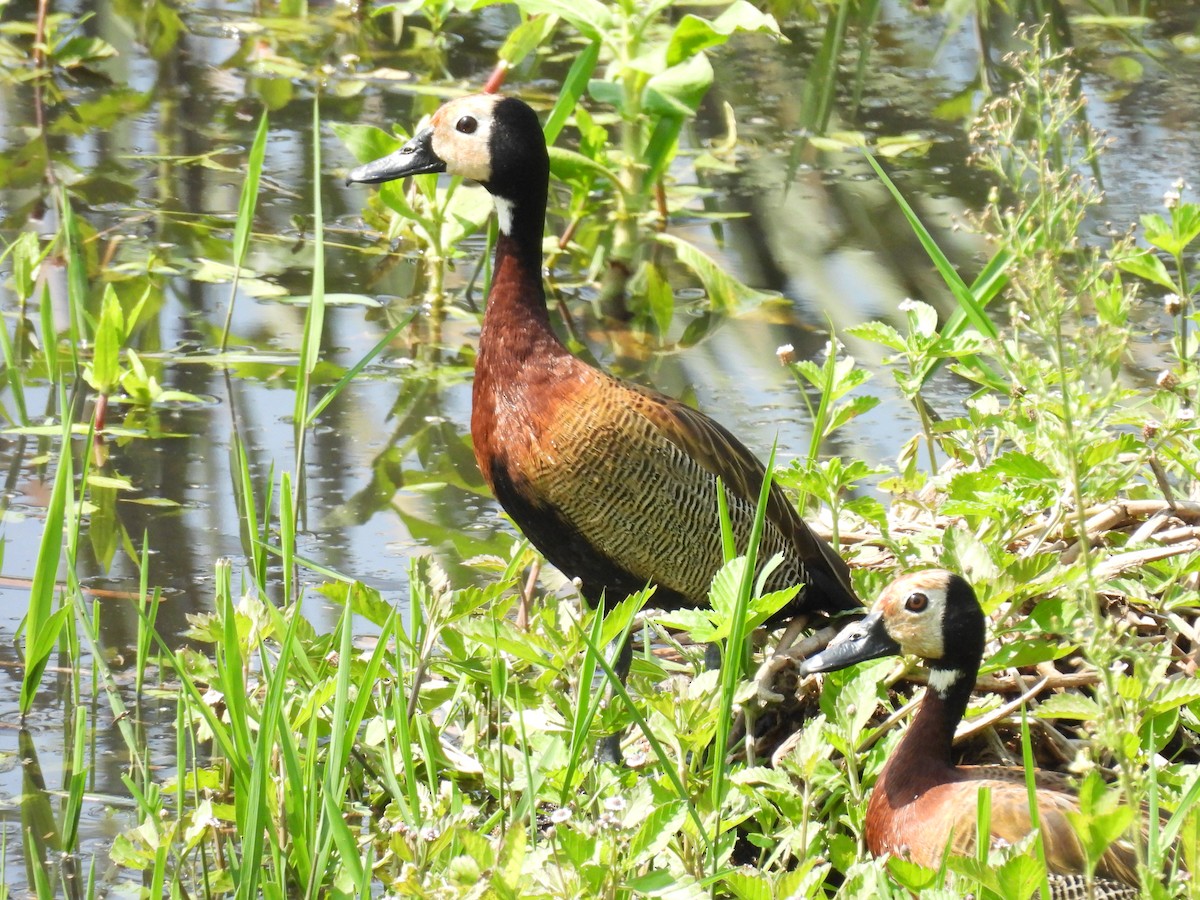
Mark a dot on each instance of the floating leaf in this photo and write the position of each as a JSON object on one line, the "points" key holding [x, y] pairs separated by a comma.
{"points": [[163, 502], [108, 481]]}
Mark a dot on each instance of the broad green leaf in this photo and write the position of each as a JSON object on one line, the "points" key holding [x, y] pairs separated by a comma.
{"points": [[591, 18], [1069, 706], [1146, 264], [106, 481], [903, 145], [1019, 878], [693, 34], [366, 142], [1028, 652], [852, 409], [1022, 465], [749, 885], [724, 291], [878, 333], [526, 38], [677, 91], [659, 298], [657, 830], [568, 165], [1124, 68], [104, 373], [77, 51], [1115, 22]]}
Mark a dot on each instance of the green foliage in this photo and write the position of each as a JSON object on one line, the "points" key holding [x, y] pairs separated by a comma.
{"points": [[43, 621], [450, 754]]}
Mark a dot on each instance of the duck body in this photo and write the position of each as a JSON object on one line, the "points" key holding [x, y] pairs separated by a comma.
{"points": [[923, 805], [615, 484]]}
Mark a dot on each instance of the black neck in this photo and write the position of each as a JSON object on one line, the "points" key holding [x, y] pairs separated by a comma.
{"points": [[527, 202]]}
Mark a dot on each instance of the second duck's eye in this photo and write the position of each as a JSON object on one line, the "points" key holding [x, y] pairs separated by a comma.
{"points": [[916, 602], [467, 125]]}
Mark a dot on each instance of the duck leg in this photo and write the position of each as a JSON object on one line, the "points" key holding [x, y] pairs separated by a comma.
{"points": [[787, 653]]}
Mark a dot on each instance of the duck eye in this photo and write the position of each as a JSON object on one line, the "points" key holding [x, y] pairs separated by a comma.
{"points": [[916, 602], [467, 125]]}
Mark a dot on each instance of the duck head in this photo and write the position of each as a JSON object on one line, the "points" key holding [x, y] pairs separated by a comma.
{"points": [[494, 140], [932, 614]]}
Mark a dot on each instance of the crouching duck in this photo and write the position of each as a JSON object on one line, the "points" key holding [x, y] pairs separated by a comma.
{"points": [[923, 804], [615, 484]]}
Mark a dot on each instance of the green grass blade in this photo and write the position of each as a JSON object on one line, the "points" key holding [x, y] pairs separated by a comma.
{"points": [[665, 762], [333, 829], [1039, 846], [314, 320], [42, 624], [573, 87], [12, 373], [352, 372], [287, 538], [253, 816], [49, 336], [245, 218], [590, 698], [42, 838], [967, 302], [734, 662], [76, 781], [77, 283]]}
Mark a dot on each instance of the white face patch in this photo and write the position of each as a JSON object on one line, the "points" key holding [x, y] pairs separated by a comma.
{"points": [[462, 135], [914, 612], [941, 680], [919, 632], [504, 214]]}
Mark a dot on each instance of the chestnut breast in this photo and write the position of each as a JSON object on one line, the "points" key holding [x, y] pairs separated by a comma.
{"points": [[589, 455], [919, 821]]}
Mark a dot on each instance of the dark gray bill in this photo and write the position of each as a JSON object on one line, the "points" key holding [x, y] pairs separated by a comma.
{"points": [[414, 158], [865, 639]]}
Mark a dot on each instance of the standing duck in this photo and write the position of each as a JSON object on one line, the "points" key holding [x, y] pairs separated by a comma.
{"points": [[615, 484], [923, 804]]}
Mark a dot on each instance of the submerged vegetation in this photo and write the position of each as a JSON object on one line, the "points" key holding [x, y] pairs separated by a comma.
{"points": [[448, 753]]}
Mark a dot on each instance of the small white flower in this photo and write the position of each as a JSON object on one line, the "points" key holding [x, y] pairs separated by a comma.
{"points": [[908, 304], [786, 354], [614, 804], [985, 405], [1172, 197], [560, 815], [1172, 304]]}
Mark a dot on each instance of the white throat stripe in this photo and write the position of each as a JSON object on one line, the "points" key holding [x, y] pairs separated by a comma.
{"points": [[941, 680], [504, 214]]}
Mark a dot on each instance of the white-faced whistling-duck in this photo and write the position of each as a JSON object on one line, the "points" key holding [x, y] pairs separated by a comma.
{"points": [[615, 484], [923, 804]]}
